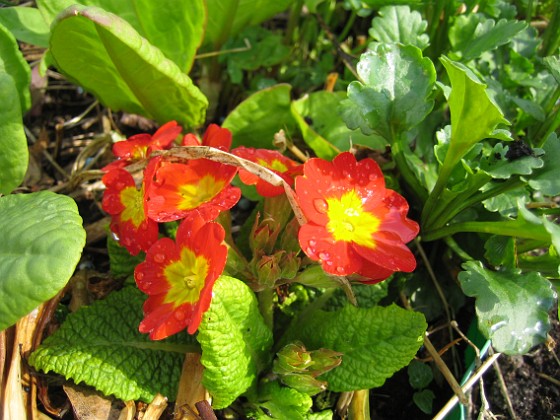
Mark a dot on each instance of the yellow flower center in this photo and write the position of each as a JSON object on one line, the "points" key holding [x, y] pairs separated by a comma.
{"points": [[193, 195], [349, 222], [186, 278], [275, 165], [133, 201]]}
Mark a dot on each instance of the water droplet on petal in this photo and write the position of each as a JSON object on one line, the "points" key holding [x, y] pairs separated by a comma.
{"points": [[320, 205], [324, 256], [312, 242], [159, 258], [340, 270], [179, 315], [329, 262], [139, 276], [309, 251]]}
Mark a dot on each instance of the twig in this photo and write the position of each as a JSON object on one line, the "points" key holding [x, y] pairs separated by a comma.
{"points": [[504, 391], [549, 378], [468, 385]]}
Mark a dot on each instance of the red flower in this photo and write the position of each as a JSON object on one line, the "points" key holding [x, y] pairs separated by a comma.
{"points": [[270, 159], [176, 189], [140, 146], [355, 224], [179, 276], [127, 208], [215, 136]]}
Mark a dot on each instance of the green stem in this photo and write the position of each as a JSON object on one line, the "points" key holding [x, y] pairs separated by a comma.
{"points": [[397, 150], [293, 22], [347, 27], [431, 202], [504, 228], [266, 306], [551, 37]]}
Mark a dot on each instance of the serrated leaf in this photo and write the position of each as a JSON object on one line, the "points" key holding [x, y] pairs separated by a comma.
{"points": [[367, 296], [512, 308], [106, 56], [281, 403], [100, 345], [474, 115], [42, 242], [26, 24], [234, 340], [506, 202], [375, 342], [176, 29], [398, 24], [13, 143], [473, 34], [395, 94], [496, 164], [547, 179], [13, 63], [254, 121]]}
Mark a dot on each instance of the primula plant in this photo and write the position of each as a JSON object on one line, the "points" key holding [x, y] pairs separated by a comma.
{"points": [[301, 207]]}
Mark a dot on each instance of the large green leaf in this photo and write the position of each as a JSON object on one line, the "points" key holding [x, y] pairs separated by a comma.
{"points": [[473, 34], [14, 156], [42, 242], [547, 179], [398, 24], [13, 63], [512, 307], [101, 346], [254, 121], [376, 342], [26, 24], [394, 95], [228, 17], [235, 341], [176, 29], [105, 55]]}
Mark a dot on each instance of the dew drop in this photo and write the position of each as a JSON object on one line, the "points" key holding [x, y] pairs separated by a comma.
{"points": [[340, 270], [312, 242], [324, 256], [320, 205], [329, 262], [159, 258], [139, 276], [309, 251], [179, 316]]}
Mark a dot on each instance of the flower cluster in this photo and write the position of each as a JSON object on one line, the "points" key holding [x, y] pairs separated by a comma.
{"points": [[354, 225]]}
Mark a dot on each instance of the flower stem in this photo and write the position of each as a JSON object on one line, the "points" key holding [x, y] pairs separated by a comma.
{"points": [[266, 306], [504, 228]]}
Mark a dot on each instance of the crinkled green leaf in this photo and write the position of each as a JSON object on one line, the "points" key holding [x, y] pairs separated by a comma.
{"points": [[499, 166], [235, 341], [512, 308], [547, 179], [254, 121], [280, 402], [324, 131], [176, 29], [473, 34], [398, 24], [42, 242], [120, 260], [100, 345], [26, 24], [13, 63], [395, 95], [367, 295], [227, 18], [104, 54], [13, 143], [376, 342], [474, 115]]}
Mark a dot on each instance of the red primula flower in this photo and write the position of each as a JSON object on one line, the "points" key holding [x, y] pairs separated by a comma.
{"points": [[140, 146], [127, 207], [355, 224], [270, 159], [214, 136], [176, 189], [179, 275]]}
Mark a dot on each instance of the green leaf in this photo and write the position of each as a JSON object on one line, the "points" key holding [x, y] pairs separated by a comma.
{"points": [[120, 261], [13, 63], [473, 34], [553, 65], [235, 341], [42, 242], [512, 308], [324, 131], [474, 115], [398, 24], [280, 403], [254, 121], [424, 400], [227, 18], [26, 24], [506, 202], [176, 29], [376, 342], [496, 164], [419, 374], [395, 94], [500, 251], [547, 179], [13, 143], [367, 296], [105, 55], [101, 346]]}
